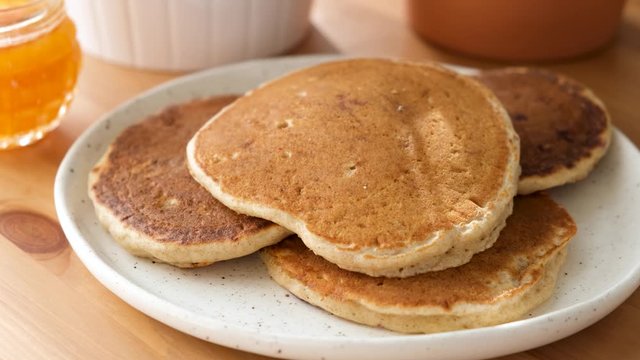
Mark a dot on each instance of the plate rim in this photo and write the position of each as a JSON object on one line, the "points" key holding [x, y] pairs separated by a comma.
{"points": [[180, 318]]}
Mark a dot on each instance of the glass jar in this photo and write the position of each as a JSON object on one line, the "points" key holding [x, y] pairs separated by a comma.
{"points": [[39, 63]]}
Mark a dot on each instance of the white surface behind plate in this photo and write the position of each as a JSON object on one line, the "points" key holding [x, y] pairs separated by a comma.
{"points": [[235, 304]]}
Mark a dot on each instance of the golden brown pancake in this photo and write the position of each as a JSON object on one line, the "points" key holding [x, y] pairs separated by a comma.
{"points": [[498, 285], [383, 167], [144, 196], [564, 128]]}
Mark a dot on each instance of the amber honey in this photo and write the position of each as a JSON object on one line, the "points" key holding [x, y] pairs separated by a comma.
{"points": [[39, 62]]}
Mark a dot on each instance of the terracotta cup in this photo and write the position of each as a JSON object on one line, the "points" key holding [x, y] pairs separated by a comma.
{"points": [[518, 30]]}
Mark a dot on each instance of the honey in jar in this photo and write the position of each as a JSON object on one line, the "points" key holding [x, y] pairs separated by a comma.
{"points": [[39, 63]]}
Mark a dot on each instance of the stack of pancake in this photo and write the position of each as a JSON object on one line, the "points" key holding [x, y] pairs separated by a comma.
{"points": [[381, 191]]}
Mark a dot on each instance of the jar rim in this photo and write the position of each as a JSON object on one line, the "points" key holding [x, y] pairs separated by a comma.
{"points": [[28, 20]]}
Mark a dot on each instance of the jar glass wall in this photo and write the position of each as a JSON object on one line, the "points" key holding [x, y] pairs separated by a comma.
{"points": [[39, 63]]}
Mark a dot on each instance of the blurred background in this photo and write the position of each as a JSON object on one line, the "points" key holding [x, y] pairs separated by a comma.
{"points": [[161, 39]]}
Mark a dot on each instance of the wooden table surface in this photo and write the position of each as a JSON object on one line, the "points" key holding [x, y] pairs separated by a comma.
{"points": [[51, 307]]}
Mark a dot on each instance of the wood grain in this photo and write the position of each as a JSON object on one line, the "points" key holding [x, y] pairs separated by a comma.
{"points": [[32, 232], [52, 308]]}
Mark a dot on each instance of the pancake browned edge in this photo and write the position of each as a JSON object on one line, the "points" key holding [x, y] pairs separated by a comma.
{"points": [[389, 168], [144, 196], [498, 285], [564, 128]]}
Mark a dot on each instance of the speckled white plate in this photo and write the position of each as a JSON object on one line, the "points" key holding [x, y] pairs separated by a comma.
{"points": [[236, 304]]}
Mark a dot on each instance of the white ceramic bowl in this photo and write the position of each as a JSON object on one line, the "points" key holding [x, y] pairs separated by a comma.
{"points": [[187, 34]]}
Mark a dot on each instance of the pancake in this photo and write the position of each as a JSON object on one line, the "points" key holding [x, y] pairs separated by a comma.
{"points": [[498, 285], [564, 128], [374, 163], [144, 196]]}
